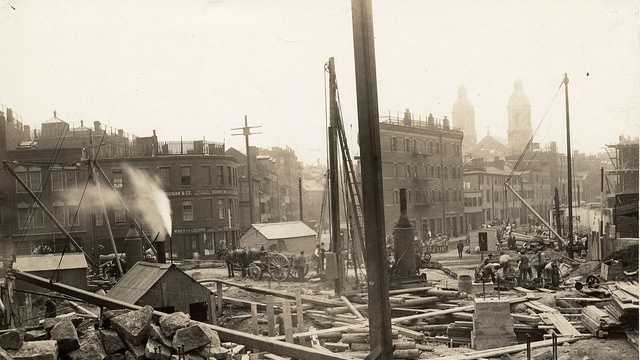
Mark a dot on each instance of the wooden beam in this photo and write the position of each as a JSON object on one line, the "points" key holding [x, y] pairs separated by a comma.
{"points": [[252, 341], [282, 294], [490, 353], [352, 308]]}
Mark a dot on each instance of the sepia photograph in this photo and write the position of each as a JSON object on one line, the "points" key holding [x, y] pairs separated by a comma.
{"points": [[321, 180]]}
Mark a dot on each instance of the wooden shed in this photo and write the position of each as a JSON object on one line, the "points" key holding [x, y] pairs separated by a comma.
{"points": [[164, 287], [289, 237], [70, 269]]}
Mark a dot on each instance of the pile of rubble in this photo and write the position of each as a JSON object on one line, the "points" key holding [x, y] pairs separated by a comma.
{"points": [[119, 335]]}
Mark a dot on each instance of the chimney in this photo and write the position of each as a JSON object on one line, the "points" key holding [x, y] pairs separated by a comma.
{"points": [[120, 132], [445, 123], [430, 120], [26, 131], [498, 163], [35, 134], [96, 127], [477, 163], [81, 123]]}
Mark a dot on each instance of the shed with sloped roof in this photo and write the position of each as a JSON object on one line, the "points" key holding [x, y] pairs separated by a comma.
{"points": [[289, 236], [164, 287]]}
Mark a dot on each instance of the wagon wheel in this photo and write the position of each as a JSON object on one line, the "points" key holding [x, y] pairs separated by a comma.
{"points": [[254, 271], [277, 260], [279, 273]]}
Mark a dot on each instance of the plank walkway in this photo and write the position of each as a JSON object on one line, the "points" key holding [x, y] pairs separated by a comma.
{"points": [[560, 322]]}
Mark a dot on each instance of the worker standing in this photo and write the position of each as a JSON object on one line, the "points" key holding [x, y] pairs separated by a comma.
{"points": [[322, 257], [316, 258], [540, 265], [524, 269], [460, 248], [300, 266]]}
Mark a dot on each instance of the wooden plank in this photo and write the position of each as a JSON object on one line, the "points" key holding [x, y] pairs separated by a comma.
{"points": [[299, 314], [408, 332], [431, 314], [577, 299], [549, 291], [271, 319], [490, 353], [213, 316], [254, 319], [560, 322], [629, 288], [352, 308], [336, 329], [286, 318], [521, 289], [282, 294], [219, 297]]}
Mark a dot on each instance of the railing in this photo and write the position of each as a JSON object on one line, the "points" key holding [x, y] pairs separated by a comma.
{"points": [[197, 147], [424, 124]]}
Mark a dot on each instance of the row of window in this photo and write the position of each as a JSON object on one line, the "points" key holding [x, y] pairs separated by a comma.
{"points": [[410, 145], [70, 215], [67, 179], [425, 196], [429, 171]]}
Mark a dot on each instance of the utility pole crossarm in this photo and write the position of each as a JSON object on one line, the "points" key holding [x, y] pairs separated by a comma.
{"points": [[246, 132]]}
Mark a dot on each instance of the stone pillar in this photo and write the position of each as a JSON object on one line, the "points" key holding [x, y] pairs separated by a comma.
{"points": [[492, 324], [403, 238]]}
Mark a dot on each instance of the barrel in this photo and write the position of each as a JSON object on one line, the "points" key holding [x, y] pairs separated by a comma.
{"points": [[464, 283]]}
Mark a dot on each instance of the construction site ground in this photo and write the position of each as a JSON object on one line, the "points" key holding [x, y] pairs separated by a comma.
{"points": [[590, 348]]}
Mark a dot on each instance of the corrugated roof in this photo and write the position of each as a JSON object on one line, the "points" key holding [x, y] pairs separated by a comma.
{"points": [[49, 262], [137, 281], [284, 230]]}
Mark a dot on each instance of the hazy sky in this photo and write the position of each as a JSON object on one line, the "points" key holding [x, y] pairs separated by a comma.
{"points": [[194, 68]]}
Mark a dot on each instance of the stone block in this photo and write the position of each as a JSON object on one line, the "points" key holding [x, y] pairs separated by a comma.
{"points": [[11, 340], [190, 338], [36, 350], [111, 341], [170, 323], [65, 334], [90, 349], [156, 334], [492, 324], [134, 325]]}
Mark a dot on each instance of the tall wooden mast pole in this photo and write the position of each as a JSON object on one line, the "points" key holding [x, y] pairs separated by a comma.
{"points": [[334, 190], [569, 172], [246, 132], [372, 189]]}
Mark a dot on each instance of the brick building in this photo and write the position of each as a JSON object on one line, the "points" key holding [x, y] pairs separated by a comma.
{"points": [[199, 179], [425, 157]]}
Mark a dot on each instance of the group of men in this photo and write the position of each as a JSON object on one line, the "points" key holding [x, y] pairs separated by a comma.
{"points": [[548, 272]]}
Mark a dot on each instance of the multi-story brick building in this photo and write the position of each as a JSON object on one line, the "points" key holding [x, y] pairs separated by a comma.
{"points": [[285, 169], [425, 157], [199, 179]]}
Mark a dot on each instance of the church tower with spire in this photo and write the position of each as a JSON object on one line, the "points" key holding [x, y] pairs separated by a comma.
{"points": [[464, 117], [519, 113]]}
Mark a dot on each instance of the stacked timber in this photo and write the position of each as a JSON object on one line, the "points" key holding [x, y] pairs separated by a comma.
{"points": [[598, 322], [358, 342], [459, 332], [624, 303]]}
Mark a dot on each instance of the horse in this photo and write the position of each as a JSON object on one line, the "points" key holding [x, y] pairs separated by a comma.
{"points": [[241, 257]]}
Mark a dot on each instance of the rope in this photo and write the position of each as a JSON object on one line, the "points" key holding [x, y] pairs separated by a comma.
{"points": [[528, 145], [43, 185]]}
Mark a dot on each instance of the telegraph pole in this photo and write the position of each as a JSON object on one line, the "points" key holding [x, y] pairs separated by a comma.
{"points": [[372, 189], [334, 190], [246, 132], [569, 175], [300, 196]]}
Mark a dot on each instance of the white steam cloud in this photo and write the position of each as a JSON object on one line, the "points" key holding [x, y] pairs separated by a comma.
{"points": [[143, 196]]}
